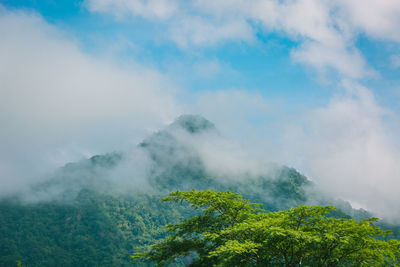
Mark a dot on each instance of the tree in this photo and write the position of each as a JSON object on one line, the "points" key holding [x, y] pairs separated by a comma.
{"points": [[231, 231]]}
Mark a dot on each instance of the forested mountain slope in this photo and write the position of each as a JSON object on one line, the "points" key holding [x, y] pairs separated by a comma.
{"points": [[85, 214]]}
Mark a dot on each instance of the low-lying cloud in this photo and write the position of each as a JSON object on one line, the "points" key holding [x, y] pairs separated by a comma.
{"points": [[351, 149], [58, 104]]}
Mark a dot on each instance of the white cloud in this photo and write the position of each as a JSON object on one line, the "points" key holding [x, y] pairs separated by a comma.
{"points": [[376, 18], [190, 31], [149, 9], [326, 30], [57, 103], [350, 149], [233, 111], [322, 56]]}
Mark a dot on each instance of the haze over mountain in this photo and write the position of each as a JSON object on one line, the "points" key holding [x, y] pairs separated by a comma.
{"points": [[186, 154], [101, 210], [86, 84], [318, 92]]}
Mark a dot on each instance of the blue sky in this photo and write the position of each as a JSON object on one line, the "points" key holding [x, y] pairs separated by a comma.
{"points": [[264, 65], [309, 83]]}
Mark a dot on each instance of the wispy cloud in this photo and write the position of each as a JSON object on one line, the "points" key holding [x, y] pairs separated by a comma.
{"points": [[54, 99], [350, 148], [149, 9], [326, 31], [57, 103]]}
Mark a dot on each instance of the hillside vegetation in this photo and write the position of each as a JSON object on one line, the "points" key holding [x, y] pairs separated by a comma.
{"points": [[85, 214], [232, 231]]}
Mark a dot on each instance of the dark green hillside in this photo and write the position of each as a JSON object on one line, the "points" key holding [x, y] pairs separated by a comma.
{"points": [[81, 217], [94, 230]]}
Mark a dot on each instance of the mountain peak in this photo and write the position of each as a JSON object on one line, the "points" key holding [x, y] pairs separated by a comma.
{"points": [[193, 123]]}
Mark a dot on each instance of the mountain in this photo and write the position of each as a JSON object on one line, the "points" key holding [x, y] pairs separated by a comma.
{"points": [[98, 211]]}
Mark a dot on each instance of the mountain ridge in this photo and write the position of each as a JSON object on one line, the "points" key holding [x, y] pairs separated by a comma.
{"points": [[82, 219]]}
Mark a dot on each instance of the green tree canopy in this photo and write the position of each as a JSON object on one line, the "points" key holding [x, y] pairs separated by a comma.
{"points": [[231, 231]]}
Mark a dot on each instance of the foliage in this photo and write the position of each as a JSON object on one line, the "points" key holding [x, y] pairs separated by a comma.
{"points": [[95, 230], [79, 217], [103, 229], [231, 231]]}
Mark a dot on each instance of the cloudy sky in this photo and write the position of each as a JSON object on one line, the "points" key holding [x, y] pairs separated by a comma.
{"points": [[314, 84]]}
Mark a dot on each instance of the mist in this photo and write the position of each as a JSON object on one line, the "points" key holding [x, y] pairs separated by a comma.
{"points": [[350, 148], [60, 105]]}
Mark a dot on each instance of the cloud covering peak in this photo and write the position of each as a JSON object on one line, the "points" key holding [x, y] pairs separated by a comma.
{"points": [[58, 104]]}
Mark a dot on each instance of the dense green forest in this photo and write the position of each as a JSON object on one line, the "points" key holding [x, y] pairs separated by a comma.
{"points": [[80, 216], [232, 231]]}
